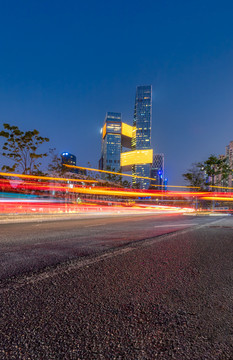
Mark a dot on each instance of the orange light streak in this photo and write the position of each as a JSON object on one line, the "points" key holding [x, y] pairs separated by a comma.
{"points": [[178, 186], [220, 198], [23, 176], [108, 172], [134, 193], [221, 187]]}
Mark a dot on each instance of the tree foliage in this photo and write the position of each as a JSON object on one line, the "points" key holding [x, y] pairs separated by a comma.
{"points": [[215, 166], [55, 166], [113, 177], [195, 176], [21, 148], [210, 172]]}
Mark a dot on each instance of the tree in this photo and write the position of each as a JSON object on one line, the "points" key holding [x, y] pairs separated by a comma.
{"points": [[215, 166], [126, 184], [212, 167], [113, 177], [196, 176], [55, 166], [21, 147], [225, 170]]}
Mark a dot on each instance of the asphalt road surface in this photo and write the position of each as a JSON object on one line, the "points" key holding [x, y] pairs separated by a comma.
{"points": [[141, 287]]}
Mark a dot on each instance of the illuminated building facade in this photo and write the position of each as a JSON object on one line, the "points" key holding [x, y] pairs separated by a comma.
{"points": [[111, 143], [157, 169], [68, 159], [139, 157], [141, 138], [126, 147]]}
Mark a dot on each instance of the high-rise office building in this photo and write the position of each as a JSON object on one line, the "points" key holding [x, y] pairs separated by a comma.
{"points": [[141, 139], [157, 169], [70, 159], [111, 142], [128, 147]]}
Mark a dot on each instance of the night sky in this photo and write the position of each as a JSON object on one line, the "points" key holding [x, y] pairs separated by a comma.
{"points": [[63, 64]]}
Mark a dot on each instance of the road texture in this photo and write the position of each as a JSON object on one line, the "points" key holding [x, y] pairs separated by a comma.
{"points": [[161, 296], [31, 246]]}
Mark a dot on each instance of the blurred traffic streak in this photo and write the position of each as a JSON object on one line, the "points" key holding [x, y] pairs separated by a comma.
{"points": [[52, 206], [23, 176], [40, 194]]}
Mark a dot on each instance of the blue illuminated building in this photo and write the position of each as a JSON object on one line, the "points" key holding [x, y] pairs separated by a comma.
{"points": [[157, 170], [70, 159]]}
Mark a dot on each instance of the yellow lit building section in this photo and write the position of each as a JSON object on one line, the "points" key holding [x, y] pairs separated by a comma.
{"points": [[104, 131], [126, 130], [137, 157]]}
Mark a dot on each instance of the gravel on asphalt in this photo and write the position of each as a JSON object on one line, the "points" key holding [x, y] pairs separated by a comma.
{"points": [[171, 299]]}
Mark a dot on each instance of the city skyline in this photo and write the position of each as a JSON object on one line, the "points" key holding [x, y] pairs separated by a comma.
{"points": [[61, 71], [126, 147]]}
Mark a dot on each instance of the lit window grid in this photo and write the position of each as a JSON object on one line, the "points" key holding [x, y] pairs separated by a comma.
{"points": [[113, 128], [141, 170], [142, 137], [111, 152]]}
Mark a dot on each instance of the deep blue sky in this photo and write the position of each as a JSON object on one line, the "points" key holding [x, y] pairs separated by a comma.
{"points": [[63, 64]]}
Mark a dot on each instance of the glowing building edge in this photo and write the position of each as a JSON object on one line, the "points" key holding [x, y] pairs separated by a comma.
{"points": [[127, 130], [137, 157], [124, 129]]}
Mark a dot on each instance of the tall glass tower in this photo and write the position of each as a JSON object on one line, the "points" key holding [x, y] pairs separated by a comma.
{"points": [[141, 139], [111, 142]]}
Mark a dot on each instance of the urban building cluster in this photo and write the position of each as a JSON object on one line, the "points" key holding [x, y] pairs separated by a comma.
{"points": [[127, 148]]}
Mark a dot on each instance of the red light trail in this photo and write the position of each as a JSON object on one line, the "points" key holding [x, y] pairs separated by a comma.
{"points": [[62, 194]]}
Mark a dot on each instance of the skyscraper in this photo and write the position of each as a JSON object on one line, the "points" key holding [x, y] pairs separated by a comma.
{"points": [[157, 169], [125, 147], [111, 142], [141, 139]]}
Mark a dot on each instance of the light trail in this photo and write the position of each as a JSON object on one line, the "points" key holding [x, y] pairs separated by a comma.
{"points": [[219, 198], [64, 193], [220, 187], [42, 206], [108, 172], [23, 176], [177, 186], [111, 191]]}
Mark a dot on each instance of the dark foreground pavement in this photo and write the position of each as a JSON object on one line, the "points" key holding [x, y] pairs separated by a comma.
{"points": [[31, 246], [169, 297]]}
